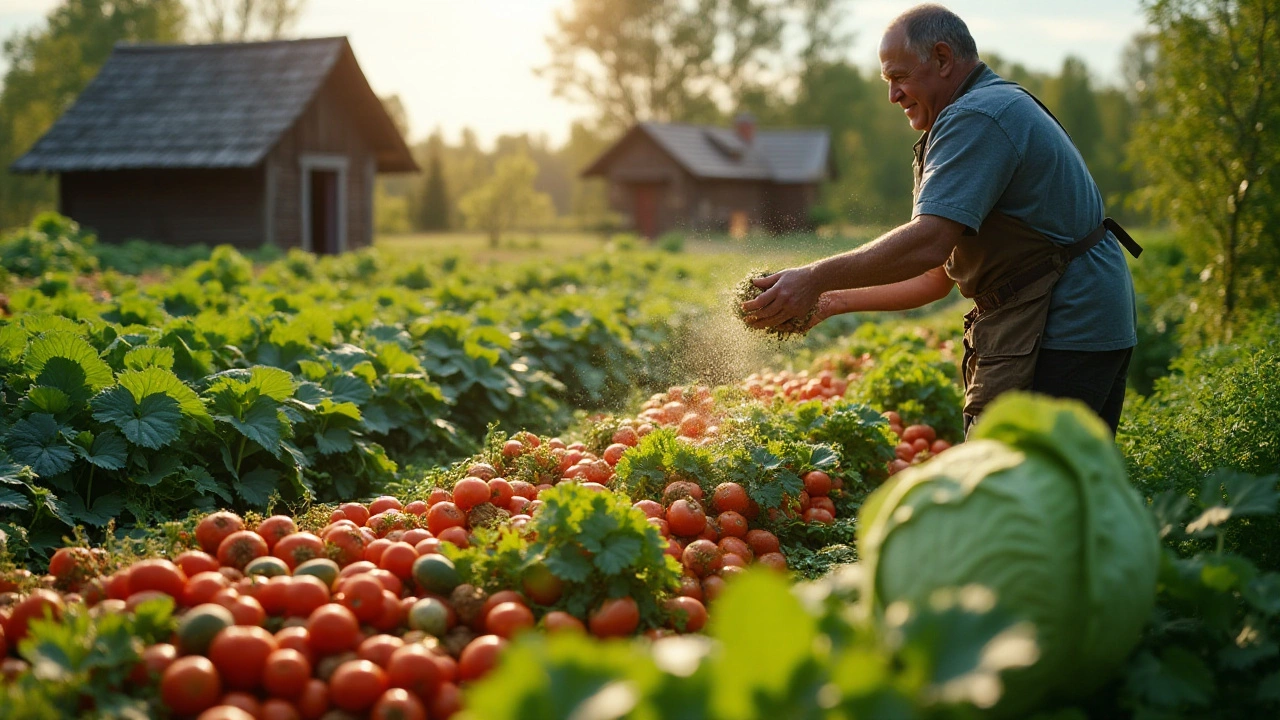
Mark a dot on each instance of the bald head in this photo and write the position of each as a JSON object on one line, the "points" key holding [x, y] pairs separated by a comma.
{"points": [[922, 27]]}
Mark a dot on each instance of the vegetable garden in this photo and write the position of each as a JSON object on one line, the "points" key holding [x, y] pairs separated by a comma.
{"points": [[365, 487]]}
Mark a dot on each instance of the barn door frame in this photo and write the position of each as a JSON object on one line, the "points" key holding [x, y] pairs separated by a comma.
{"points": [[335, 163]]}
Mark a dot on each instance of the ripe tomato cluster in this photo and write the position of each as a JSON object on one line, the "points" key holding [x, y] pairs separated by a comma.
{"points": [[916, 443], [802, 385], [690, 410]]}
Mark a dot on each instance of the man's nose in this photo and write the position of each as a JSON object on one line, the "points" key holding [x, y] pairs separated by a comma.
{"points": [[895, 93]]}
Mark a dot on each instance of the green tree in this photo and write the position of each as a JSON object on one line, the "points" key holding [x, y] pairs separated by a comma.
{"points": [[1072, 100], [1210, 151], [49, 66], [435, 200], [507, 200], [662, 60], [241, 20]]}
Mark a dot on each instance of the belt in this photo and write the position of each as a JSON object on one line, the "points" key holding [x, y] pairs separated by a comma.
{"points": [[1002, 294]]}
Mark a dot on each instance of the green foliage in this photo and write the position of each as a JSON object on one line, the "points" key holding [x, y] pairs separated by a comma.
{"points": [[671, 241], [51, 243], [920, 388], [1220, 408], [1207, 163], [1211, 649], [85, 660], [48, 66], [771, 652], [602, 548], [507, 200]]}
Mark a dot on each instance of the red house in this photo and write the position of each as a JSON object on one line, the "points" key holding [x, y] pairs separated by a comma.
{"points": [[673, 176]]}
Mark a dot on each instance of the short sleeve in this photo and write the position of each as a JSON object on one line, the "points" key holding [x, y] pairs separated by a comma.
{"points": [[967, 166]]}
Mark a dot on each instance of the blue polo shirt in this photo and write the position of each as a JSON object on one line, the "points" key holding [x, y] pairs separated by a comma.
{"points": [[994, 148]]}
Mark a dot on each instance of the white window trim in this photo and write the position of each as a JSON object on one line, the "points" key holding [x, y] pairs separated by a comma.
{"points": [[338, 163]]}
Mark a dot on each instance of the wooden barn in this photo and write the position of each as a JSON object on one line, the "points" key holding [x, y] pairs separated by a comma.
{"points": [[701, 178], [241, 143]]}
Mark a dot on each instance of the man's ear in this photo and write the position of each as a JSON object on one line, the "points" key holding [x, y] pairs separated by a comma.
{"points": [[945, 58]]}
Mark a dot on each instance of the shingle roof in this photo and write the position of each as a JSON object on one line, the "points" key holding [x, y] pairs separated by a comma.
{"points": [[784, 156], [201, 106]]}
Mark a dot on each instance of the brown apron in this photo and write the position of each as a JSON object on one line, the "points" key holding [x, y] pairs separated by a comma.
{"points": [[1009, 269]]}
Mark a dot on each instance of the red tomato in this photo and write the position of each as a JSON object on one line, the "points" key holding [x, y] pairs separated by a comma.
{"points": [[201, 587], [558, 620], [774, 560], [384, 503], [735, 546], [507, 619], [479, 657], [470, 492], [411, 667], [306, 594], [712, 586], [276, 527], [445, 515], [194, 562], [685, 614], [919, 432], [730, 496], [686, 518], [33, 607], [355, 512], [817, 483], [818, 515], [447, 702], [500, 492], [732, 524], [344, 545], [398, 559], [456, 535], [214, 528], [333, 629], [417, 507], [159, 575], [379, 648], [398, 704], [650, 508], [241, 546], [286, 673], [296, 637], [356, 685], [373, 551], [314, 700], [190, 685], [690, 586], [702, 557], [615, 618], [240, 654], [297, 548]]}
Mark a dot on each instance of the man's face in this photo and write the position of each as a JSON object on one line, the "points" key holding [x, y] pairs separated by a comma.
{"points": [[914, 84]]}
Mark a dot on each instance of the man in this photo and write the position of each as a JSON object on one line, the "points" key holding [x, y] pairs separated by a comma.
{"points": [[1006, 209]]}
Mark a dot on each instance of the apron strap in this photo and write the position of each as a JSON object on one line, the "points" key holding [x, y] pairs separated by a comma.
{"points": [[1000, 295]]}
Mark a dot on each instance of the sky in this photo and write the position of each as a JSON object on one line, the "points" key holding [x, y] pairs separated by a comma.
{"points": [[469, 63]]}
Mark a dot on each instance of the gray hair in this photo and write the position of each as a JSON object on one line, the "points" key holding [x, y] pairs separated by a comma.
{"points": [[928, 25]]}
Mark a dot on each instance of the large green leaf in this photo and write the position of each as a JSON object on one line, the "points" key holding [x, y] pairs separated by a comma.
{"points": [[13, 500], [153, 423], [256, 486], [104, 509], [52, 400], [152, 380], [37, 441], [109, 451], [260, 423], [140, 358], [72, 347], [273, 382]]}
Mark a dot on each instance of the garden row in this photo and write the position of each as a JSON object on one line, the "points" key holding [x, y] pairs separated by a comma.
{"points": [[309, 379]]}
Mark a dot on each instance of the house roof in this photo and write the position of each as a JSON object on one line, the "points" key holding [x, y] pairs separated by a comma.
{"points": [[710, 152], [222, 105]]}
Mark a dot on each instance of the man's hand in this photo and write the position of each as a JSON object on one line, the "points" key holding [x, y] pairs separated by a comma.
{"points": [[787, 296]]}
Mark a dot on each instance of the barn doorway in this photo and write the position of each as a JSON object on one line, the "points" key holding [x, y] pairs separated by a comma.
{"points": [[324, 204], [324, 212], [645, 202]]}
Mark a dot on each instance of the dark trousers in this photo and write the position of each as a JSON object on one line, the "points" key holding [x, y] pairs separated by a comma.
{"points": [[1095, 378]]}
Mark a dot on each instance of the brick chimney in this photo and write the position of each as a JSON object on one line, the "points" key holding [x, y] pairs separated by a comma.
{"points": [[744, 125]]}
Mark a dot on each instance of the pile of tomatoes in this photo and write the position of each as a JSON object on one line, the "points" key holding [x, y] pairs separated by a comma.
{"points": [[916, 443], [365, 616]]}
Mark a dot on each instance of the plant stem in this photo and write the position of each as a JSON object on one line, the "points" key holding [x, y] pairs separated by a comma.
{"points": [[239, 456], [88, 494]]}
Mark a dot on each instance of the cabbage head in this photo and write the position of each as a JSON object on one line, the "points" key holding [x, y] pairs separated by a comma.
{"points": [[1037, 507]]}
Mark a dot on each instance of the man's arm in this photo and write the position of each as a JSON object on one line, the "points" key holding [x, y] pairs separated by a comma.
{"points": [[902, 254], [921, 290]]}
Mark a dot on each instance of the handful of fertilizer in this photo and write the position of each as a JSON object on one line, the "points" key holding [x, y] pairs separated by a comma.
{"points": [[746, 290]]}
